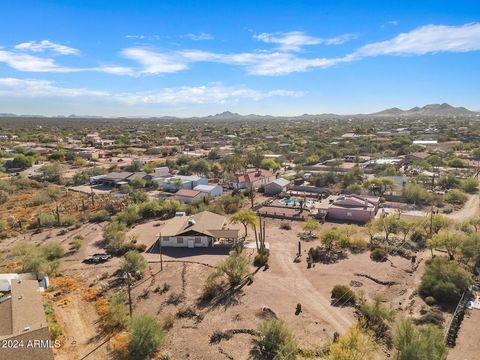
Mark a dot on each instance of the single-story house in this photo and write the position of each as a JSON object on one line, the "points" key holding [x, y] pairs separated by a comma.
{"points": [[204, 229], [256, 178], [116, 179], [211, 190], [174, 183], [277, 186], [353, 208], [188, 196], [24, 322]]}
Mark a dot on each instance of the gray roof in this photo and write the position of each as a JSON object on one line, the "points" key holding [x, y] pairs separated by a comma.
{"points": [[280, 181]]}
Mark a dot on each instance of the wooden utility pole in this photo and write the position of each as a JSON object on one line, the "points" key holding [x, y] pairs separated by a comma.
{"points": [[160, 247], [129, 294]]}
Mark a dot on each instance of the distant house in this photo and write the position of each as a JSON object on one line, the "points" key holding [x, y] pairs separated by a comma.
{"points": [[90, 154], [204, 229], [115, 179], [188, 196], [211, 190], [174, 183], [277, 186], [23, 320], [256, 178], [353, 208]]}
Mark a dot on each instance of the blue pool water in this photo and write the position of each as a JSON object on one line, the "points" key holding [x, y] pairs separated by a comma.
{"points": [[295, 202]]}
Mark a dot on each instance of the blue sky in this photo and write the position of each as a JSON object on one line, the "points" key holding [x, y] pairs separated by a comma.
{"points": [[154, 58]]}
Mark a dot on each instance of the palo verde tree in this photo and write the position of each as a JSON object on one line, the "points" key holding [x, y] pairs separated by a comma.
{"points": [[246, 218]]}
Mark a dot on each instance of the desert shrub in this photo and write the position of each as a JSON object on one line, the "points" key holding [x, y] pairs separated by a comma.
{"points": [[211, 290], [433, 316], [456, 197], [53, 326], [276, 341], [357, 244], [168, 322], [3, 197], [444, 280], [469, 185], [146, 335], [355, 344], [261, 259], [374, 314], [430, 300], [343, 295], [175, 299], [418, 343], [99, 216], [52, 251], [76, 243], [186, 312], [50, 194], [378, 254], [234, 268], [285, 225], [134, 263], [116, 317]]}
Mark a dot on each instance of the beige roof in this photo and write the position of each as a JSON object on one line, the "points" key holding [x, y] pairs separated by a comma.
{"points": [[204, 222], [26, 308], [187, 193]]}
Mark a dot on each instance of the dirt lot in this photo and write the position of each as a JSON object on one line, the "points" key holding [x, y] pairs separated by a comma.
{"points": [[468, 346], [279, 288]]}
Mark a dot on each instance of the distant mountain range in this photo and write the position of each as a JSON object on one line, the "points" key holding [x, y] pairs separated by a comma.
{"points": [[430, 110]]}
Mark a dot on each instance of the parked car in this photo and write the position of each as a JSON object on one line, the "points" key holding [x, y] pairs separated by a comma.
{"points": [[97, 258]]}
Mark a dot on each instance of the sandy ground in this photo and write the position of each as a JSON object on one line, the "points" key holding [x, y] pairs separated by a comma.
{"points": [[468, 346], [280, 288]]}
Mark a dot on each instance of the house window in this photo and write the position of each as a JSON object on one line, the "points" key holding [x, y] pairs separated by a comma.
{"points": [[349, 214], [179, 240], [198, 240]]}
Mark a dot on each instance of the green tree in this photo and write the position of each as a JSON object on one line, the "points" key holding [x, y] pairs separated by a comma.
{"points": [[418, 343], [276, 342], [416, 193], [448, 240], [311, 226], [445, 280], [134, 263], [270, 164], [117, 317], [246, 218], [456, 197], [146, 336], [332, 238]]}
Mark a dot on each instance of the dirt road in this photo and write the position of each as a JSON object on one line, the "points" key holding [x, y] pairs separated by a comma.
{"points": [[469, 210]]}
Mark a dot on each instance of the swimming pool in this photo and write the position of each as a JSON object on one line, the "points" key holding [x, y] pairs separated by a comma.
{"points": [[308, 203]]}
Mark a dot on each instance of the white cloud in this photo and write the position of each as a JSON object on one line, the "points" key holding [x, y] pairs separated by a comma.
{"points": [[41, 88], [135, 36], [427, 39], [200, 36], [208, 94], [47, 45], [153, 62], [26, 62], [295, 40]]}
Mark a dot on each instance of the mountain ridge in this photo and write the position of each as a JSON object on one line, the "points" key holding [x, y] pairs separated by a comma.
{"points": [[429, 110]]}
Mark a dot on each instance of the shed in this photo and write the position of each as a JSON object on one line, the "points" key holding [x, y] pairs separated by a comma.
{"points": [[277, 186]]}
